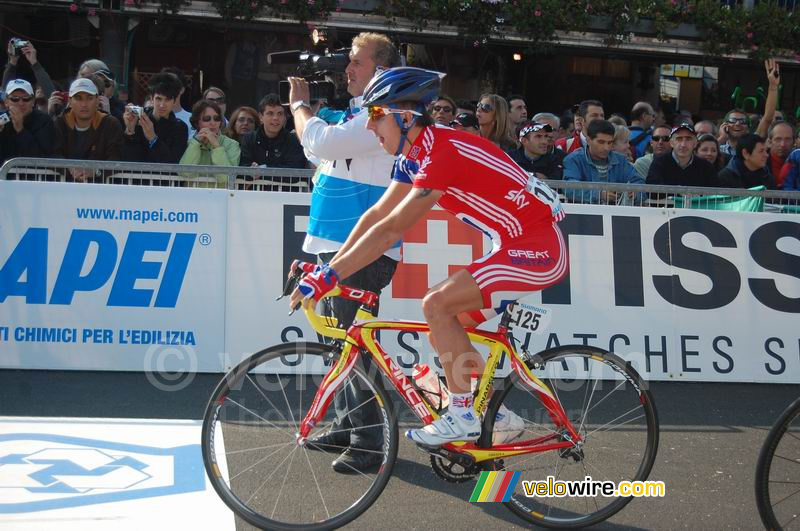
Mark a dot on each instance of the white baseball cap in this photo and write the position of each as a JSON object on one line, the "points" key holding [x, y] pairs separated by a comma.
{"points": [[82, 84], [19, 84]]}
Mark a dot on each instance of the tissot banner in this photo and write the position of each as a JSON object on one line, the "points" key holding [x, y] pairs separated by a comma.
{"points": [[87, 282]]}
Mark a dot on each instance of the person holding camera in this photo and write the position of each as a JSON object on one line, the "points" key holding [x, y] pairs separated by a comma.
{"points": [[154, 134], [354, 173], [20, 48], [209, 146], [85, 133], [24, 130]]}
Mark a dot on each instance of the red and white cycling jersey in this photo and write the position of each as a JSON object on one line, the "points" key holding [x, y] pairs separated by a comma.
{"points": [[485, 188]]}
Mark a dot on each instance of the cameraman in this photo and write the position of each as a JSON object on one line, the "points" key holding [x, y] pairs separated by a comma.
{"points": [[28, 132], [156, 135], [353, 174], [29, 52]]}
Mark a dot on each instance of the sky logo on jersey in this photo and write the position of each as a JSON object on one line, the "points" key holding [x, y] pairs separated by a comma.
{"points": [[92, 259], [518, 197], [56, 471]]}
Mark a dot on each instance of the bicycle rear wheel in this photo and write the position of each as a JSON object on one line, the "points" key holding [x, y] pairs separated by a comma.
{"points": [[608, 403], [778, 472], [251, 453]]}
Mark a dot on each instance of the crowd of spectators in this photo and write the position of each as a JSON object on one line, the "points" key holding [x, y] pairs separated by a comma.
{"points": [[90, 122]]}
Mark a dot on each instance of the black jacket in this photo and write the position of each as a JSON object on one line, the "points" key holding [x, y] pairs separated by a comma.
{"points": [[37, 138], [665, 170], [551, 165], [168, 147], [736, 175], [283, 151]]}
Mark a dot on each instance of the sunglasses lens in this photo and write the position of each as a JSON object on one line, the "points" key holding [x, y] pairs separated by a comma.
{"points": [[376, 113]]}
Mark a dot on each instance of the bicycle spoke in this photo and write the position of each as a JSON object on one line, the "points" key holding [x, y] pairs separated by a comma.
{"points": [[793, 461], [289, 407], [319, 490], [234, 452], [259, 416], [255, 464], [283, 484], [253, 383], [266, 480]]}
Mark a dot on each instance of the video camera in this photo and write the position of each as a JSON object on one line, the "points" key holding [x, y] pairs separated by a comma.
{"points": [[314, 68], [16, 45]]}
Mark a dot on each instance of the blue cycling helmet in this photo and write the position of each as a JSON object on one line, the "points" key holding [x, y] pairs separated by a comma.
{"points": [[403, 84]]}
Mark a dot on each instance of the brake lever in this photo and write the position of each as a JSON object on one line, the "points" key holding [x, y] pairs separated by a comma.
{"points": [[291, 283]]}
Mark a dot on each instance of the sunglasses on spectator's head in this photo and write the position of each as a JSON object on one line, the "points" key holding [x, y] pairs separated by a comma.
{"points": [[485, 107], [376, 112], [441, 108], [664, 138], [17, 99], [216, 118], [221, 99], [736, 120]]}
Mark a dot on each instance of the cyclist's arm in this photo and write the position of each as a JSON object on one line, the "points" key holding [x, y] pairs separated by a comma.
{"points": [[392, 197], [383, 234]]}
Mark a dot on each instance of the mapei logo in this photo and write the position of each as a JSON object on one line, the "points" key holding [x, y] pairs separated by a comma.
{"points": [[433, 249], [518, 197], [92, 259], [46, 471]]}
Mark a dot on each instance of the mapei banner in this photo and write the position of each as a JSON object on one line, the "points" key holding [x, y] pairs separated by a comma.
{"points": [[143, 278]]}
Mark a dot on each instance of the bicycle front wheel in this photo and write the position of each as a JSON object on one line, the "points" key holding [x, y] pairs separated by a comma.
{"points": [[778, 472], [250, 447], [608, 404]]}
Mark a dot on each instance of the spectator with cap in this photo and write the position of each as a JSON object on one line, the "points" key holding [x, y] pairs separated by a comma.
{"points": [[553, 121], [443, 110], [155, 134], [28, 132], [659, 144], [681, 167], [585, 113], [535, 156], [272, 145], [209, 146], [517, 111], [99, 70], [749, 168], [467, 122], [29, 53], [85, 133], [597, 162], [243, 120], [780, 140], [642, 118]]}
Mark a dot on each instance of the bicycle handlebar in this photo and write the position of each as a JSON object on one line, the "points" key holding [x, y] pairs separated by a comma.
{"points": [[299, 268]]}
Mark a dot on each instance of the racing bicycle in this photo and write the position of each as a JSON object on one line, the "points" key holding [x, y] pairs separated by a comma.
{"points": [[778, 472], [584, 412]]}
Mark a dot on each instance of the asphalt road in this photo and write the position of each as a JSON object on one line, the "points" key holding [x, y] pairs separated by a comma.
{"points": [[710, 438]]}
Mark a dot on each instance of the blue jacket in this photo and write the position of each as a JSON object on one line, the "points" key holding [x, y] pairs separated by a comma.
{"points": [[578, 167], [792, 180]]}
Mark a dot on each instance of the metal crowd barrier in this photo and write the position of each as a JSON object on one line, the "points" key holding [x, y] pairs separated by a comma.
{"points": [[294, 180], [153, 174]]}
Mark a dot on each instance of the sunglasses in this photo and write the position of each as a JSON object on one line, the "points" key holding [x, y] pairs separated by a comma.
{"points": [[221, 99], [485, 107], [17, 99], [439, 108], [736, 120], [376, 112], [664, 138], [216, 118]]}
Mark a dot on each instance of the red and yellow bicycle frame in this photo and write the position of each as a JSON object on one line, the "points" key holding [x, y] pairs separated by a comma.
{"points": [[361, 336]]}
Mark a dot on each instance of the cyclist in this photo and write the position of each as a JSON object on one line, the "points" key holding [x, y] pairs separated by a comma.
{"points": [[478, 183]]}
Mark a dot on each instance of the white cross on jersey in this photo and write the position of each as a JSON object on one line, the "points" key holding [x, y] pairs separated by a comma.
{"points": [[438, 253]]}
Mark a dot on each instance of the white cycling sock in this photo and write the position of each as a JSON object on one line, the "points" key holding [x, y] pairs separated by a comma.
{"points": [[461, 405]]}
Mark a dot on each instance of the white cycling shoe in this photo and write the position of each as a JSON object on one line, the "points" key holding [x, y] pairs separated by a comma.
{"points": [[448, 428], [508, 426]]}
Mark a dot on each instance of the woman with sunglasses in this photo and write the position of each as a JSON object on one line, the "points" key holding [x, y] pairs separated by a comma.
{"points": [[209, 146], [493, 119], [243, 120], [481, 185]]}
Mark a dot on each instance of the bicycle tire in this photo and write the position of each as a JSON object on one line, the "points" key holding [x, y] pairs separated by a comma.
{"points": [[639, 422], [235, 411], [764, 469]]}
